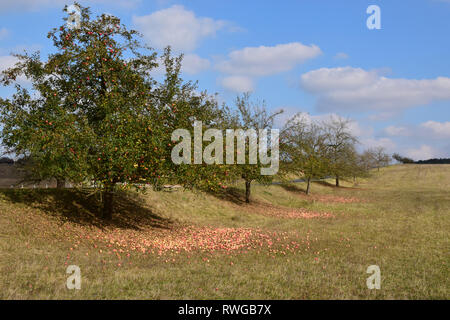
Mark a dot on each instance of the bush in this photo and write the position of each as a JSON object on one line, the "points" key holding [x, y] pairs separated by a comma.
{"points": [[401, 159]]}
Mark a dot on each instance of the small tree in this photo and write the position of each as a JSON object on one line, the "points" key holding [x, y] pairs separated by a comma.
{"points": [[367, 160], [179, 105], [401, 159], [341, 148], [304, 148], [250, 118], [361, 165], [377, 157]]}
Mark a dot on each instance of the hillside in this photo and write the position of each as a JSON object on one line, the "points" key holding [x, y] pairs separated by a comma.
{"points": [[193, 245]]}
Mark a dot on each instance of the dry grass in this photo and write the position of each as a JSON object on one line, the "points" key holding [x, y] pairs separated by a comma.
{"points": [[286, 245]]}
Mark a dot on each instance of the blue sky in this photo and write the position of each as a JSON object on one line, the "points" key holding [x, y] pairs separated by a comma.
{"points": [[308, 56]]}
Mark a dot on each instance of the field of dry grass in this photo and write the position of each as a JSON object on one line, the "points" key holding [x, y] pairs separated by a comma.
{"points": [[193, 245]]}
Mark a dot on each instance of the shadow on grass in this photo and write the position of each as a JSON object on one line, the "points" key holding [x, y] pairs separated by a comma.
{"points": [[293, 188], [77, 206], [333, 185], [328, 184], [236, 196], [232, 194]]}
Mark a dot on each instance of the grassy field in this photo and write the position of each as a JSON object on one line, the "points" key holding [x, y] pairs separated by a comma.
{"points": [[187, 245]]}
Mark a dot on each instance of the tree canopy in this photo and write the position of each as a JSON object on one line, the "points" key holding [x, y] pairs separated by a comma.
{"points": [[95, 113]]}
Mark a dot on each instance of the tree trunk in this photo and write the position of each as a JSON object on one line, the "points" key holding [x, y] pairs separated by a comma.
{"points": [[108, 197], [337, 181], [60, 183], [247, 191], [308, 185]]}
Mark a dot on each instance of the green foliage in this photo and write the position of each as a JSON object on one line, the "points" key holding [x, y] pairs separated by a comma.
{"points": [[376, 158], [251, 115], [93, 113], [341, 153], [318, 149], [304, 148], [97, 115], [179, 106]]}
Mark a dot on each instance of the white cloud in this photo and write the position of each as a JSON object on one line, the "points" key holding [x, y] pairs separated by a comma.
{"points": [[3, 33], [424, 152], [438, 129], [354, 127], [7, 62], [193, 64], [397, 131], [237, 84], [371, 142], [288, 112], [263, 61], [246, 64], [424, 141], [357, 89], [177, 27], [427, 131], [337, 79], [341, 56], [383, 115], [431, 136]]}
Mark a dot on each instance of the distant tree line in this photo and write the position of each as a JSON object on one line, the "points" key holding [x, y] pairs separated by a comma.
{"points": [[406, 160], [434, 161]]}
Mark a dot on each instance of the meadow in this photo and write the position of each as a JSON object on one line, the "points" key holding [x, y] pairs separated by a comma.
{"points": [[196, 245]]}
